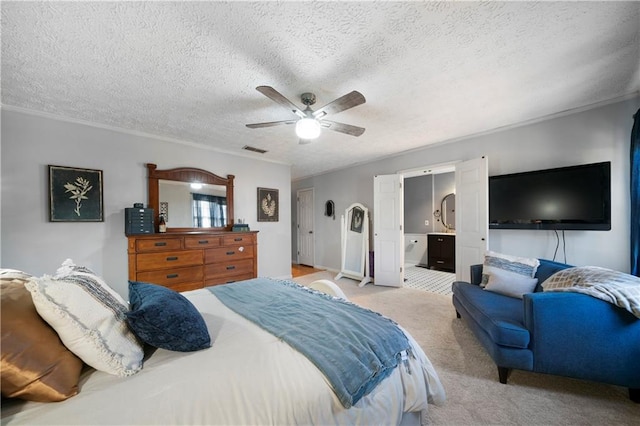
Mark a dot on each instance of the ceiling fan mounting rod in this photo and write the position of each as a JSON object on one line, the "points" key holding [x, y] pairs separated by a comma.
{"points": [[308, 98]]}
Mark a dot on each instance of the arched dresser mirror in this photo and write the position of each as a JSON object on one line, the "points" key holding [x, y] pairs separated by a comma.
{"points": [[355, 244], [171, 194]]}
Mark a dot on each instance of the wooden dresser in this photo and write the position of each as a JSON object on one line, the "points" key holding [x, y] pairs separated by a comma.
{"points": [[190, 260], [441, 251]]}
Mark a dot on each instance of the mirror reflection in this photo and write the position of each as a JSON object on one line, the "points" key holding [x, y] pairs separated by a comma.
{"points": [[192, 205], [448, 211]]}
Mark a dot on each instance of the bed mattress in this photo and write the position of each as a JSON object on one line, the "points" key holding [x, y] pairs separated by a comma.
{"points": [[248, 376]]}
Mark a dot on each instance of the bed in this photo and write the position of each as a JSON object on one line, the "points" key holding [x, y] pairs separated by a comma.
{"points": [[247, 376]]}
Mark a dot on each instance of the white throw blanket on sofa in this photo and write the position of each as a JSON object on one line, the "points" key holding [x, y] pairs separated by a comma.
{"points": [[615, 287]]}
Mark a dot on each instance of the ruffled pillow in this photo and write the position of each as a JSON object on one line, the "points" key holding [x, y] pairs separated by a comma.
{"points": [[90, 318]]}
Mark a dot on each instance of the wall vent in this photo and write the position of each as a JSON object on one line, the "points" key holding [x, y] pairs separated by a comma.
{"points": [[253, 149]]}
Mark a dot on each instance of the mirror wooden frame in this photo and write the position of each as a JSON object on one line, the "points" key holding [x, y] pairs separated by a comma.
{"points": [[187, 174]]}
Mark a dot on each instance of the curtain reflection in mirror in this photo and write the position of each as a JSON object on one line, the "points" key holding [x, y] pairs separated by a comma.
{"points": [[209, 210]]}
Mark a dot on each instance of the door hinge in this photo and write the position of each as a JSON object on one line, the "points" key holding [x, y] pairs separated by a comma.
{"points": [[401, 269]]}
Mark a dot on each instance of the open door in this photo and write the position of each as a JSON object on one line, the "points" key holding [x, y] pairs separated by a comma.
{"points": [[472, 215], [388, 238]]}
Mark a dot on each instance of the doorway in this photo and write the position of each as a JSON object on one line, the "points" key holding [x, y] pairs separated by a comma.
{"points": [[424, 190]]}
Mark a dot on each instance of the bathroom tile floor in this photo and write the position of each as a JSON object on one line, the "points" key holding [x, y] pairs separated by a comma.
{"points": [[428, 280]]}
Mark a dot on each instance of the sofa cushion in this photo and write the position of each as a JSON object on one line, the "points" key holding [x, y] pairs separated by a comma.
{"points": [[546, 269], [500, 316]]}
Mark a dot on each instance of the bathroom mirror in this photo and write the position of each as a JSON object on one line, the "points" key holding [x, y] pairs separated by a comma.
{"points": [[447, 211], [207, 206], [355, 244]]}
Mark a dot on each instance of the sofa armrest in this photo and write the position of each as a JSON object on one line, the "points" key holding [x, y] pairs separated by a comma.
{"points": [[476, 274], [577, 335]]}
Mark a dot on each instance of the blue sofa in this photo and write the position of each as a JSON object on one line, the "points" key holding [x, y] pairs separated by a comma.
{"points": [[562, 333]]}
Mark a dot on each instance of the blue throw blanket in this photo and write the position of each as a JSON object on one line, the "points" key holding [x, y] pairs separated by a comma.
{"points": [[353, 347]]}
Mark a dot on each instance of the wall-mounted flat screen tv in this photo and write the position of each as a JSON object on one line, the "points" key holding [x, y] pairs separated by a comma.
{"points": [[576, 197]]}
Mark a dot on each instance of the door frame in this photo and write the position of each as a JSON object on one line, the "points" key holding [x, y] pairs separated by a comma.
{"points": [[444, 168]]}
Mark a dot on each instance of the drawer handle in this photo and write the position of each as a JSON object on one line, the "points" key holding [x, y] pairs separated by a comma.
{"points": [[160, 244], [231, 252], [203, 242], [170, 258], [232, 281], [237, 239], [230, 267], [440, 239], [172, 276], [439, 261]]}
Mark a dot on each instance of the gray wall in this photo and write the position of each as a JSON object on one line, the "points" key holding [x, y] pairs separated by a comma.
{"points": [[33, 244], [598, 134], [418, 204]]}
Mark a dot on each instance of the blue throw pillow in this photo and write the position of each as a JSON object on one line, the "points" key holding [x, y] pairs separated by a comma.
{"points": [[165, 319]]}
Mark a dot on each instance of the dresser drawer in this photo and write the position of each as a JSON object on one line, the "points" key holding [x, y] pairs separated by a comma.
{"points": [[228, 254], [205, 241], [168, 259], [228, 279], [143, 246], [242, 266], [168, 277], [184, 286], [238, 240]]}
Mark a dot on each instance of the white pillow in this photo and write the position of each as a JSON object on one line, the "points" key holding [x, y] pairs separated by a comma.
{"points": [[509, 275], [89, 316], [510, 284]]}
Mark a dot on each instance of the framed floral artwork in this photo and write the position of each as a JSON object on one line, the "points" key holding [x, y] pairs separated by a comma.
{"points": [[268, 205], [75, 195]]}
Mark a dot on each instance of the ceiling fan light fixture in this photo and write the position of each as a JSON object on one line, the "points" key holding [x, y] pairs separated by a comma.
{"points": [[308, 128]]}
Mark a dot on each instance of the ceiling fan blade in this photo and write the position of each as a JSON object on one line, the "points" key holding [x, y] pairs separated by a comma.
{"points": [[277, 97], [270, 124], [347, 101], [342, 128]]}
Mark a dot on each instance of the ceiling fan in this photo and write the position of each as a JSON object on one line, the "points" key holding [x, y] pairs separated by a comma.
{"points": [[309, 122]]}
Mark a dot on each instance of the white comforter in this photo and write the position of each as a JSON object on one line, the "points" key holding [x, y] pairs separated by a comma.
{"points": [[246, 377]]}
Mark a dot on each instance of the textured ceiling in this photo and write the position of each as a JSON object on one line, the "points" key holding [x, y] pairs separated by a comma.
{"points": [[430, 71]]}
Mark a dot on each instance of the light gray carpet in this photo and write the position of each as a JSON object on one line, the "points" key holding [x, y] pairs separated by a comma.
{"points": [[470, 378]]}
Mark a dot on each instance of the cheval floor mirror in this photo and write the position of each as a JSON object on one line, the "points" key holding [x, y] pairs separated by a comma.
{"points": [[355, 244]]}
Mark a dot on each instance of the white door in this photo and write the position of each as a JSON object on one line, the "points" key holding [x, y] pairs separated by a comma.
{"points": [[388, 241], [305, 227], [472, 215]]}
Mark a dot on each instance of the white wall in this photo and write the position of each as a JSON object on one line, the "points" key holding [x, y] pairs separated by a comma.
{"points": [[598, 134], [415, 249], [33, 244]]}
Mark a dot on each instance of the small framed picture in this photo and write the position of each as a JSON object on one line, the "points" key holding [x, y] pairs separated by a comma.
{"points": [[268, 205], [75, 195]]}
